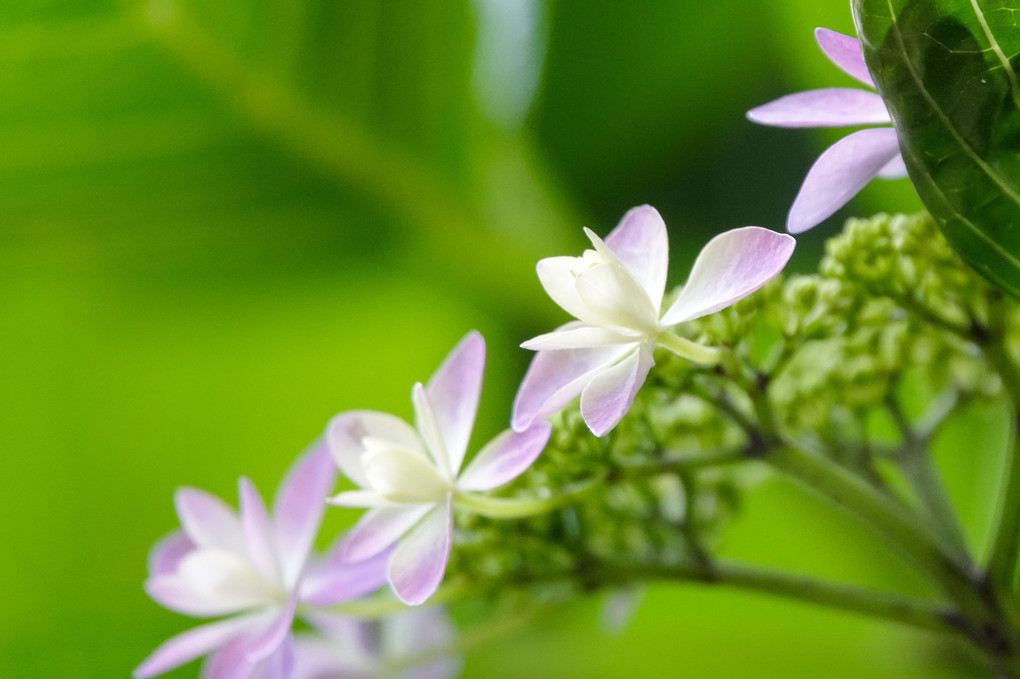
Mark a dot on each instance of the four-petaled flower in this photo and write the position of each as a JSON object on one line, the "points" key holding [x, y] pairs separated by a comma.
{"points": [[615, 291], [849, 164], [254, 567], [410, 476]]}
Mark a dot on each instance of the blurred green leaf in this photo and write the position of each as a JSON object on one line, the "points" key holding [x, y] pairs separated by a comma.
{"points": [[946, 71]]}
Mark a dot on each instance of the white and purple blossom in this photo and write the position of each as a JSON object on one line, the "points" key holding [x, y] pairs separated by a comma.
{"points": [[849, 164], [615, 291], [405, 645], [253, 566], [410, 477]]}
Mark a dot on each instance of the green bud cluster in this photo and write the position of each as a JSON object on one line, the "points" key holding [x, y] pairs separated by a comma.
{"points": [[813, 359]]}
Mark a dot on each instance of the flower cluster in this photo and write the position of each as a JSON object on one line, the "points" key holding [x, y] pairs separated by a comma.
{"points": [[255, 568]]}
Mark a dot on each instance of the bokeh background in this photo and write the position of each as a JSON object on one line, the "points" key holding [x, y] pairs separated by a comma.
{"points": [[223, 221]]}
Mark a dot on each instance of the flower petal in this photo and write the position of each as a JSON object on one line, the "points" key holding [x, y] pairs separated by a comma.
{"points": [[894, 169], [558, 276], [609, 395], [832, 107], [168, 552], [419, 563], [839, 173], [208, 521], [193, 643], [258, 531], [379, 528], [346, 431], [225, 578], [556, 377], [505, 458], [612, 296], [404, 476], [454, 391], [641, 243], [298, 508], [845, 52], [335, 580], [428, 426], [231, 661], [582, 337], [359, 498], [270, 639], [173, 592], [730, 266]]}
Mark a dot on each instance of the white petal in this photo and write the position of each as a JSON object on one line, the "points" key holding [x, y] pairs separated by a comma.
{"points": [[558, 276], [225, 578], [730, 266], [346, 431], [258, 532], [417, 567], [610, 393], [612, 296], [582, 337], [839, 173], [175, 593], [641, 243], [428, 427], [454, 391], [359, 498], [401, 475], [845, 52]]}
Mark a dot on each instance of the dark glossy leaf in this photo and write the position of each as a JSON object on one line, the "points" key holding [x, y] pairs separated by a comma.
{"points": [[947, 72]]}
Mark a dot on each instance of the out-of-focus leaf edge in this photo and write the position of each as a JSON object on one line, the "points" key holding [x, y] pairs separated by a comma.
{"points": [[971, 234]]}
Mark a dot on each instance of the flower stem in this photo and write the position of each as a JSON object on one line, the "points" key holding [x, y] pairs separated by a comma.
{"points": [[515, 508], [693, 351]]}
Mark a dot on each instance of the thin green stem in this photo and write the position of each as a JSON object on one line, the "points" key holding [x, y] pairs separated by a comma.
{"points": [[685, 348], [519, 508]]}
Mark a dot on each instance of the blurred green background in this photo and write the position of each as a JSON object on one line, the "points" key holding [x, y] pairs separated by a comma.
{"points": [[223, 221]]}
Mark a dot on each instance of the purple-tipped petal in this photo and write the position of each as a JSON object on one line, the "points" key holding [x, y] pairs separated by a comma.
{"points": [[379, 528], [336, 580], [231, 662], [894, 169], [730, 266], [505, 458], [833, 107], [208, 520], [168, 552], [641, 243], [609, 395], [845, 52], [555, 378], [419, 563], [839, 173], [270, 639], [299, 505], [454, 391], [258, 532], [428, 426], [194, 643], [345, 432]]}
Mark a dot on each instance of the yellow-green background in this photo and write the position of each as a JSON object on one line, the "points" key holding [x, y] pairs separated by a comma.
{"points": [[223, 221]]}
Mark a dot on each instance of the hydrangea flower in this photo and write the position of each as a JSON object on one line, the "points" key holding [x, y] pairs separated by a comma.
{"points": [[615, 291], [410, 477], [390, 648], [254, 567], [849, 164]]}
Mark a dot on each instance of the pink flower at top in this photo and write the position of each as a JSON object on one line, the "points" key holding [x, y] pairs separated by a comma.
{"points": [[410, 477], [253, 567], [849, 164], [615, 291]]}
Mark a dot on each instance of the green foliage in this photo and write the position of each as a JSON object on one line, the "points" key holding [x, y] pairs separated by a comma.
{"points": [[946, 69]]}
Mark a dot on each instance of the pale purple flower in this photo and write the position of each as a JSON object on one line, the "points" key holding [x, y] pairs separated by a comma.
{"points": [[615, 291], [406, 645], [849, 164], [253, 566], [410, 477]]}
